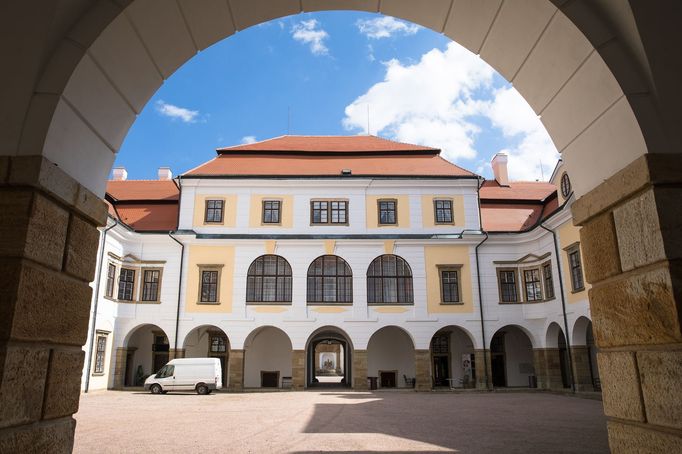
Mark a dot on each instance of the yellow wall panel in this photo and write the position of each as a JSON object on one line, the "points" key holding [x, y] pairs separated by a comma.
{"points": [[210, 255], [229, 213], [372, 211], [428, 217], [256, 210], [448, 255]]}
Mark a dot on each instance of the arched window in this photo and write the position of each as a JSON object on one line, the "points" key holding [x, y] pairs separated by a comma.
{"points": [[269, 280], [389, 280], [330, 280]]}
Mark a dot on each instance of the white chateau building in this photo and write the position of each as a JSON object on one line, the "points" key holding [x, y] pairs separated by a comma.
{"points": [[306, 261]]}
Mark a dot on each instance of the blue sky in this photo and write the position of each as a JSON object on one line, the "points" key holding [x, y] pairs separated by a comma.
{"points": [[326, 70]]}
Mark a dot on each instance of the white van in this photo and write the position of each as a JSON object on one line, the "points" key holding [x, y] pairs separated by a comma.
{"points": [[202, 375]]}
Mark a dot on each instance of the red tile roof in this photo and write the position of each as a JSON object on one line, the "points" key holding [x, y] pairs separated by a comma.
{"points": [[497, 217], [149, 217], [143, 190], [328, 144], [517, 207], [518, 190], [144, 205], [297, 165]]}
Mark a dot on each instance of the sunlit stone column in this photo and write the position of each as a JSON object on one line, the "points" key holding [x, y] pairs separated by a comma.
{"points": [[632, 241]]}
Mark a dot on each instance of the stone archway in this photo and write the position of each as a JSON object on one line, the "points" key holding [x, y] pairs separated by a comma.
{"points": [[604, 76], [454, 361], [331, 344], [268, 356], [391, 358], [145, 350], [208, 341], [584, 352], [511, 358]]}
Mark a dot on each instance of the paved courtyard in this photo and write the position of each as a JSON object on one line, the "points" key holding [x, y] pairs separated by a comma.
{"points": [[329, 421]]}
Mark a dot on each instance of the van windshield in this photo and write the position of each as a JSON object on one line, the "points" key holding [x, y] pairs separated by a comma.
{"points": [[166, 371]]}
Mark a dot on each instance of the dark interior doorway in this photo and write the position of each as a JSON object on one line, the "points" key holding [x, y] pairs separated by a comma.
{"points": [[269, 379], [387, 379], [498, 360]]}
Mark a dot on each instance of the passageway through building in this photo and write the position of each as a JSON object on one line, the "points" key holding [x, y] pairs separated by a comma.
{"points": [[267, 358], [391, 358], [145, 351], [452, 358], [329, 359], [511, 352], [208, 342]]}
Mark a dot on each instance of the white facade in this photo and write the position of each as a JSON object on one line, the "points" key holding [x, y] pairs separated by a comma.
{"points": [[391, 334]]}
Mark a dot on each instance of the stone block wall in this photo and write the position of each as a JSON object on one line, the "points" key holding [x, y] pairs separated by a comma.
{"points": [[633, 250], [48, 248]]}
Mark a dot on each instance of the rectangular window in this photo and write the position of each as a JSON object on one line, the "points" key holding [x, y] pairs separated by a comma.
{"points": [[442, 211], [150, 287], [271, 211], [508, 290], [549, 280], [576, 267], [388, 212], [218, 343], [111, 280], [126, 284], [100, 353], [532, 284], [328, 212], [209, 286], [449, 285], [214, 211]]}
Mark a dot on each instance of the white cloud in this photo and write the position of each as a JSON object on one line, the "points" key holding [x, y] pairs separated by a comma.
{"points": [[440, 101], [427, 102], [248, 139], [534, 154], [385, 27], [307, 32], [175, 112]]}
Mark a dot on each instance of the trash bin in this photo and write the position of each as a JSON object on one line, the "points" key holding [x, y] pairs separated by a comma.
{"points": [[372, 382], [532, 381]]}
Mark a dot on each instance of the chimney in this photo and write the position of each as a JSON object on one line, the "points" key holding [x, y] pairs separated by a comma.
{"points": [[120, 174], [499, 164], [165, 173]]}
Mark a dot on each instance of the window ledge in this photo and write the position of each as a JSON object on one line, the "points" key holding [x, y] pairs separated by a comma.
{"points": [[98, 374], [459, 303], [328, 303], [208, 303], [268, 303], [390, 304], [136, 302], [577, 290]]}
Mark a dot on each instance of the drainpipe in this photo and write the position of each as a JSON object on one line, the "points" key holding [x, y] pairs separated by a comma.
{"points": [[563, 306], [177, 314], [480, 306], [94, 309]]}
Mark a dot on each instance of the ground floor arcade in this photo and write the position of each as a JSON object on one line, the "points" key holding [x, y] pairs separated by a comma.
{"points": [[513, 359]]}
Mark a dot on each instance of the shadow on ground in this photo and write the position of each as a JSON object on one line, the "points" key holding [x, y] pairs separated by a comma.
{"points": [[525, 422]]}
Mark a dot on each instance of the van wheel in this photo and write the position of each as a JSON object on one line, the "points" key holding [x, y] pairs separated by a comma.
{"points": [[202, 389], [155, 389]]}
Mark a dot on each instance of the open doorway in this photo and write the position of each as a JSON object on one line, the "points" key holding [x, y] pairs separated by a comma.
{"points": [[328, 359]]}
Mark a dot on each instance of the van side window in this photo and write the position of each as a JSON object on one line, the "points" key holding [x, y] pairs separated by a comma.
{"points": [[166, 371]]}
